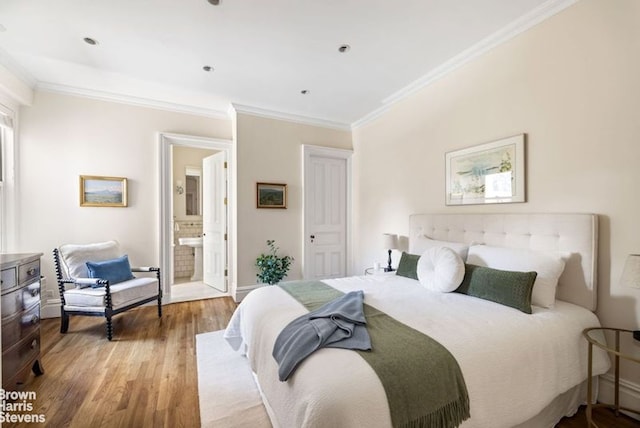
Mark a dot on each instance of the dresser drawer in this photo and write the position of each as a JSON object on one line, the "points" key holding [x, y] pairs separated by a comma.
{"points": [[21, 299], [8, 278], [22, 354], [20, 325], [28, 271]]}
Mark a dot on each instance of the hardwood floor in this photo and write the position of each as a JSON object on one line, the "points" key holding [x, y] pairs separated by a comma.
{"points": [[603, 417], [145, 377]]}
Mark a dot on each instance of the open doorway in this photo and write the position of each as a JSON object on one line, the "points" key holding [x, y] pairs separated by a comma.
{"points": [[194, 217]]}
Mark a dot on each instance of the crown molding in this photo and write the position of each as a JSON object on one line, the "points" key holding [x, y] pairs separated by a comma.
{"points": [[305, 120], [529, 20], [131, 100], [15, 82], [16, 69]]}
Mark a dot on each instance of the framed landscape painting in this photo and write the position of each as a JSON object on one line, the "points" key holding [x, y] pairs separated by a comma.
{"points": [[490, 173], [96, 191], [271, 195]]}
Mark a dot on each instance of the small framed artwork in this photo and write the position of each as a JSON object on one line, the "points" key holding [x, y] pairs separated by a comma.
{"points": [[96, 191], [271, 195], [491, 173]]}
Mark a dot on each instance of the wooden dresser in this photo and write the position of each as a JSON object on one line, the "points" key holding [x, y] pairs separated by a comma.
{"points": [[20, 318]]}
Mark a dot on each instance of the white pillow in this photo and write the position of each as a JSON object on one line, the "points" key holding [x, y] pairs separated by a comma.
{"points": [[549, 267], [423, 243], [440, 269], [74, 257]]}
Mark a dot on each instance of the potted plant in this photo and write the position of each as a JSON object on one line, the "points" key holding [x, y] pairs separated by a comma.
{"points": [[271, 267]]}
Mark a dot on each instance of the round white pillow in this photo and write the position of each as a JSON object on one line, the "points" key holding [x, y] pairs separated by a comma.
{"points": [[440, 269]]}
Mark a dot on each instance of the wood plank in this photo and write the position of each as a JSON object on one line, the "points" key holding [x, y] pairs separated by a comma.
{"points": [[147, 376]]}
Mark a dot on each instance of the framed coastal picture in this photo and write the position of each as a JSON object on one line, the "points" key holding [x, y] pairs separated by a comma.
{"points": [[271, 195], [96, 191], [490, 173]]}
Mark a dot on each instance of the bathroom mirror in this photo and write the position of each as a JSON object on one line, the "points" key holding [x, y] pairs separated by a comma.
{"points": [[193, 190]]}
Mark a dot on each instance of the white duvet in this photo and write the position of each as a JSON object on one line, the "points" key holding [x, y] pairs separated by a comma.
{"points": [[514, 364]]}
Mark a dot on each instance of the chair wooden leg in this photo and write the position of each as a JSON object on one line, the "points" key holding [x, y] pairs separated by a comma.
{"points": [[64, 321], [109, 328], [159, 307], [37, 368]]}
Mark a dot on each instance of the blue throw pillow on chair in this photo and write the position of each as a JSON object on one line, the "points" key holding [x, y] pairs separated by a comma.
{"points": [[114, 271]]}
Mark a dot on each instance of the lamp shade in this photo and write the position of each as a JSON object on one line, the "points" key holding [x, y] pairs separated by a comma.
{"points": [[390, 241], [631, 272]]}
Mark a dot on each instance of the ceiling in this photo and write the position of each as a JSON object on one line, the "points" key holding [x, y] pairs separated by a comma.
{"points": [[263, 53]]}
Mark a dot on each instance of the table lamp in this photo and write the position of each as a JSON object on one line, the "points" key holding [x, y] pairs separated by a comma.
{"points": [[631, 278], [390, 243]]}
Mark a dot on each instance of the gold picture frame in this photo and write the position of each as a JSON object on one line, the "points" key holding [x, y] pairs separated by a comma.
{"points": [[98, 191], [271, 195]]}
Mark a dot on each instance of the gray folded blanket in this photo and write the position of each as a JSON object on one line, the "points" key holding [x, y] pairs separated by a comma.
{"points": [[337, 324]]}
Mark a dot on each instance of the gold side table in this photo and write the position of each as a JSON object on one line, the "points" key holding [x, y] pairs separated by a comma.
{"points": [[615, 351]]}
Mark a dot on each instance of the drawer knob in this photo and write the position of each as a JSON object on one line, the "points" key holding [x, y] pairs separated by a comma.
{"points": [[35, 319], [34, 344], [31, 271]]}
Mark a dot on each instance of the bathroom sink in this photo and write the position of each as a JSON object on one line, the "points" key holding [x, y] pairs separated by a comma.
{"points": [[196, 244], [191, 242]]}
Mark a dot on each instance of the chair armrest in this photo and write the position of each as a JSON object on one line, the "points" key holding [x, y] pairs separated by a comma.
{"points": [[88, 282], [145, 269]]}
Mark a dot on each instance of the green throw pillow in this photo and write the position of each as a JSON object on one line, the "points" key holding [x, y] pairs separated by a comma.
{"points": [[505, 287], [408, 265]]}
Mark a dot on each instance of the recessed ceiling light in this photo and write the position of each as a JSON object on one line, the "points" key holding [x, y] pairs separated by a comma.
{"points": [[214, 2], [304, 91], [344, 48], [90, 41], [207, 68]]}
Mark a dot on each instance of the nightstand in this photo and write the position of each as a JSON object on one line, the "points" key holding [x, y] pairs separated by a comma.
{"points": [[615, 350]]}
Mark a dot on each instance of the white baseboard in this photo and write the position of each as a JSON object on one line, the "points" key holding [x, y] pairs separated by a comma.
{"points": [[49, 306], [629, 393], [241, 292], [50, 309]]}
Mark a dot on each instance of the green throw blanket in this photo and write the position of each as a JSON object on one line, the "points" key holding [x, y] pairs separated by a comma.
{"points": [[422, 380]]}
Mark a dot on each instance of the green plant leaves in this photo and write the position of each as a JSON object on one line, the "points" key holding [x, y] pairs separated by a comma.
{"points": [[271, 267]]}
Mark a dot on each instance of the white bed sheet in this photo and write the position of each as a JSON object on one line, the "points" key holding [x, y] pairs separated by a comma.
{"points": [[514, 364]]}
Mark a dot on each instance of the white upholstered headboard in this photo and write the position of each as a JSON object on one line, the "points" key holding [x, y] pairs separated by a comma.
{"points": [[576, 234]]}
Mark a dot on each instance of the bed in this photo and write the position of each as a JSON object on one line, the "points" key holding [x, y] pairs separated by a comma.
{"points": [[521, 370]]}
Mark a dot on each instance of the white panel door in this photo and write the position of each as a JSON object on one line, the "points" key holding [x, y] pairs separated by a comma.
{"points": [[214, 220], [325, 206]]}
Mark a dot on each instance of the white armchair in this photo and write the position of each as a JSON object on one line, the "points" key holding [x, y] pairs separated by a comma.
{"points": [[97, 280]]}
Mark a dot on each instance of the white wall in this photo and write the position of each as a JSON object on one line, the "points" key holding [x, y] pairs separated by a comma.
{"points": [[63, 137], [571, 84], [271, 151]]}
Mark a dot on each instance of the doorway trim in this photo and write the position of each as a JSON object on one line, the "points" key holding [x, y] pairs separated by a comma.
{"points": [[327, 152], [166, 142]]}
